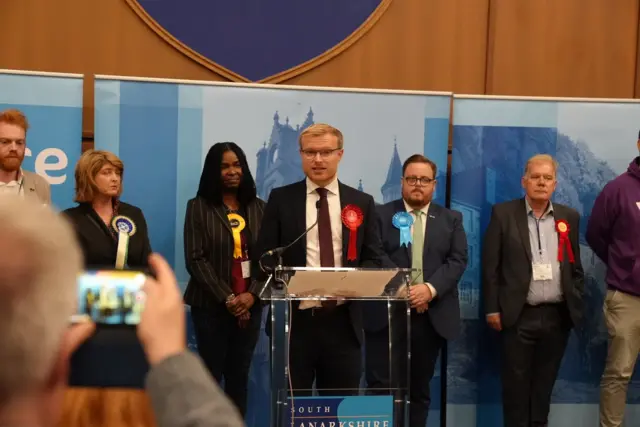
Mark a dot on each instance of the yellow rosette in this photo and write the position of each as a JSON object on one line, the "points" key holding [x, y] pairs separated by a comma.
{"points": [[237, 224]]}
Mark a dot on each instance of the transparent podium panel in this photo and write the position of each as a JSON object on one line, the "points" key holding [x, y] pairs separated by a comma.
{"points": [[319, 347]]}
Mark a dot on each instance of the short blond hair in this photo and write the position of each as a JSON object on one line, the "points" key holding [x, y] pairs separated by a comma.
{"points": [[320, 129], [541, 158], [39, 266], [88, 167]]}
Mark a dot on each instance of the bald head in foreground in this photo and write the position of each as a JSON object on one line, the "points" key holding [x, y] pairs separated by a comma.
{"points": [[39, 264]]}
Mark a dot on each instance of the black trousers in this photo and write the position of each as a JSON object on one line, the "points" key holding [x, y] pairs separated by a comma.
{"points": [[376, 361], [532, 352], [323, 347], [227, 349], [426, 344]]}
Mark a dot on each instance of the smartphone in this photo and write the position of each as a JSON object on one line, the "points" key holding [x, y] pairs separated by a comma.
{"points": [[111, 297], [113, 355]]}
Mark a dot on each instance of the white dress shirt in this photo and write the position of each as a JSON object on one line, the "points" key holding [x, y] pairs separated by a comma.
{"points": [[313, 240], [424, 214], [335, 215], [13, 187]]}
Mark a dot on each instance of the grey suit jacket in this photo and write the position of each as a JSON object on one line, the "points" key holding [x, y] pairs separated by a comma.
{"points": [[36, 186], [506, 262], [183, 393]]}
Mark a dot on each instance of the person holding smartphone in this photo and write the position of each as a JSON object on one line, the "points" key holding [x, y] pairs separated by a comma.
{"points": [[221, 226], [38, 295]]}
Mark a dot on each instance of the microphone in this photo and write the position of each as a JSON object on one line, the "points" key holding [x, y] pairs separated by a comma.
{"points": [[280, 250]]}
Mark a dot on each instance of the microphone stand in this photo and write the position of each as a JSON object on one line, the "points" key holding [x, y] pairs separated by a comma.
{"points": [[278, 271], [279, 251]]}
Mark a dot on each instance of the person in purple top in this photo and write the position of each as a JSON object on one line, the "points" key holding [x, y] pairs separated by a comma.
{"points": [[613, 232]]}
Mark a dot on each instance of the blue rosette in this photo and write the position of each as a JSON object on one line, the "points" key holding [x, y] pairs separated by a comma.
{"points": [[124, 224], [403, 222]]}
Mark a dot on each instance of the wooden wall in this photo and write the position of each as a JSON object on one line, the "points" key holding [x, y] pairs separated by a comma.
{"points": [[578, 48], [581, 48]]}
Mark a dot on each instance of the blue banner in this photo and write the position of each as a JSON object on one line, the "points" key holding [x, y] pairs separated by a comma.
{"points": [[492, 140], [162, 132], [53, 106], [345, 411]]}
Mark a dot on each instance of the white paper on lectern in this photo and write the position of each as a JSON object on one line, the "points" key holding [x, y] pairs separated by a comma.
{"points": [[349, 284]]}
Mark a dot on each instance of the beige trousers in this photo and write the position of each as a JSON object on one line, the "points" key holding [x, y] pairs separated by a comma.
{"points": [[622, 316]]}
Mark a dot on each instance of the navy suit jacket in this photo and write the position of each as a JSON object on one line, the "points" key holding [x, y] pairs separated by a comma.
{"points": [[444, 260], [284, 220]]}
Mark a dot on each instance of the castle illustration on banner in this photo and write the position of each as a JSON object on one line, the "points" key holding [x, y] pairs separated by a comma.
{"points": [[278, 161], [487, 165], [278, 164]]}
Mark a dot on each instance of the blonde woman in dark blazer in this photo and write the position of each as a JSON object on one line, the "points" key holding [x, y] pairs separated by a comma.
{"points": [[102, 220]]}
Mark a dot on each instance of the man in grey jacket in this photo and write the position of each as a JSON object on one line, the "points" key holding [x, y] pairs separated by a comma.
{"points": [[39, 264], [13, 144]]}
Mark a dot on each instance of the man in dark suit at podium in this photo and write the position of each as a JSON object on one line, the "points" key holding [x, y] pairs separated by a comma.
{"points": [[326, 337], [417, 233]]}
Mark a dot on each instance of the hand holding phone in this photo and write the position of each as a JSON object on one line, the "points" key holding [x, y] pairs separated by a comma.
{"points": [[111, 297], [162, 330], [119, 353], [113, 300]]}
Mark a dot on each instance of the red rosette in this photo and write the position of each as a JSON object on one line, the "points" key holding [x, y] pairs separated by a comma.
{"points": [[562, 227], [352, 218]]}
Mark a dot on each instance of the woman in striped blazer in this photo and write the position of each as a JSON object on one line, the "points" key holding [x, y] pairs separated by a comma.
{"points": [[221, 226]]}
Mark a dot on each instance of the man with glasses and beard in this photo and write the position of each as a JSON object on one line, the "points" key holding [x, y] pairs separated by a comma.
{"points": [[221, 226], [419, 234], [13, 142]]}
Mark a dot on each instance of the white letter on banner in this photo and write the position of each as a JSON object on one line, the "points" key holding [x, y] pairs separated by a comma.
{"points": [[42, 167]]}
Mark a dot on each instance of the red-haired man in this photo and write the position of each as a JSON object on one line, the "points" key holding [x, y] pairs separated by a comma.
{"points": [[13, 142]]}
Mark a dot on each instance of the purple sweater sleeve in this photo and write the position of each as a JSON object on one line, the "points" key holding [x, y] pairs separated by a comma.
{"points": [[600, 222]]}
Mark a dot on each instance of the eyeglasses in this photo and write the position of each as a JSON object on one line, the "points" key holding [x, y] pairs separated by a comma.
{"points": [[413, 180], [324, 154]]}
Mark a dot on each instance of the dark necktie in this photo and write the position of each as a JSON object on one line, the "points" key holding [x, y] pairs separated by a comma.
{"points": [[324, 230]]}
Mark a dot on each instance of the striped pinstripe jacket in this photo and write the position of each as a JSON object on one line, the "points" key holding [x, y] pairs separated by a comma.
{"points": [[208, 250]]}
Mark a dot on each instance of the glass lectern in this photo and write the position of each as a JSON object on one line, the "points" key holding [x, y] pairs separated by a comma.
{"points": [[290, 288]]}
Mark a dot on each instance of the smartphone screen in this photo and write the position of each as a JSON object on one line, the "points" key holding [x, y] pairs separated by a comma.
{"points": [[111, 297]]}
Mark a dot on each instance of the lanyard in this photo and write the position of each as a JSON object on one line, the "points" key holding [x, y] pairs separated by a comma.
{"points": [[538, 232]]}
